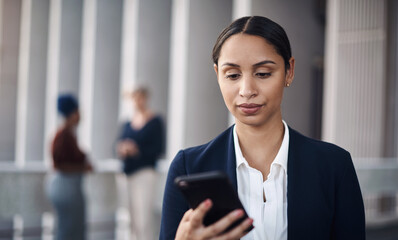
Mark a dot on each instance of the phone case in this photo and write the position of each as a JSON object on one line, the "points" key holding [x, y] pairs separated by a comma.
{"points": [[213, 185]]}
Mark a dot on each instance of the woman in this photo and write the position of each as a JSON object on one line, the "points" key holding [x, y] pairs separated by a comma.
{"points": [[139, 146], [70, 164], [292, 187]]}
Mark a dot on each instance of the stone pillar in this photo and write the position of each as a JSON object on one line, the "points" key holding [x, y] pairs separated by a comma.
{"points": [[63, 59], [87, 63], [355, 80], [106, 78], [52, 80], [153, 46], [37, 81], [70, 46], [196, 109], [9, 41]]}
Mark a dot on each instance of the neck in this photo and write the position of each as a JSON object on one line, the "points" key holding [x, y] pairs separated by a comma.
{"points": [[144, 112], [260, 144], [140, 118], [141, 112], [69, 126]]}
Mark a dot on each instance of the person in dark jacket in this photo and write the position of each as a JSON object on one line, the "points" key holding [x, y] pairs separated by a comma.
{"points": [[291, 186], [70, 163], [139, 146]]}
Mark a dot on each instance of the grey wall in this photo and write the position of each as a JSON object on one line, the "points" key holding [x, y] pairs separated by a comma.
{"points": [[391, 126], [302, 24], [9, 77], [37, 80], [206, 113], [106, 78]]}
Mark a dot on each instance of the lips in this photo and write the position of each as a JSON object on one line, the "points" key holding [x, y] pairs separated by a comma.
{"points": [[249, 108]]}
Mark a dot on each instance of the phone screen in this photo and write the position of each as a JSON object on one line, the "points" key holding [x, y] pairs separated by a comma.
{"points": [[213, 185]]}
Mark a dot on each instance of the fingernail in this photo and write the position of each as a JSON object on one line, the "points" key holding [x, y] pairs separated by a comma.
{"points": [[238, 213], [207, 203], [249, 220]]}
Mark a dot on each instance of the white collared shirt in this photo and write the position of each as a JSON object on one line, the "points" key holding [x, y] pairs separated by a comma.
{"points": [[270, 217]]}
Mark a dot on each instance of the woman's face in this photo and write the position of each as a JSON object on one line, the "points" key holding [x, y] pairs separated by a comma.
{"points": [[139, 101], [252, 76], [74, 118]]}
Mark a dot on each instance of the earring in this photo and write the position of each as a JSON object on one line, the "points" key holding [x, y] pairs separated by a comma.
{"points": [[287, 84]]}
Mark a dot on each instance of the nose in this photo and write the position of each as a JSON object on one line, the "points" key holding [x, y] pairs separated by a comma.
{"points": [[248, 88]]}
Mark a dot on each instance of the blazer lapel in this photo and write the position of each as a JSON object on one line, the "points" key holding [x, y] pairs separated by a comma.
{"points": [[293, 184], [230, 159]]}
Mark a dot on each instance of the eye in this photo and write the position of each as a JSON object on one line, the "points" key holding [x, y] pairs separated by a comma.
{"points": [[263, 74], [232, 76]]}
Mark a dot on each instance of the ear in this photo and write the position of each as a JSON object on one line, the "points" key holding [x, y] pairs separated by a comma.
{"points": [[216, 69], [290, 72]]}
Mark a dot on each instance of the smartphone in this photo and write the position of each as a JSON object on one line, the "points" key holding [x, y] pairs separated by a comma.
{"points": [[215, 186]]}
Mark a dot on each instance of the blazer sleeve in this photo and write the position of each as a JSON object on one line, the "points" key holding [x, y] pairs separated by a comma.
{"points": [[349, 219], [174, 204]]}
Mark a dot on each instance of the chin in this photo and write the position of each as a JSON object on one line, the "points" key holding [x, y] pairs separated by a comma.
{"points": [[251, 121]]}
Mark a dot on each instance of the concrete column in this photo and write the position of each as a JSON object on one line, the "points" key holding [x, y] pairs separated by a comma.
{"points": [[63, 65], [10, 31], [37, 81], [197, 112], [178, 71], [356, 80], [87, 64], [32, 82], [106, 78], [70, 46], [241, 8], [206, 113], [391, 126], [23, 78], [153, 46], [52, 81], [129, 58]]}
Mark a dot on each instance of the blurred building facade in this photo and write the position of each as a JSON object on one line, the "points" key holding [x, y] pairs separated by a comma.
{"points": [[345, 89]]}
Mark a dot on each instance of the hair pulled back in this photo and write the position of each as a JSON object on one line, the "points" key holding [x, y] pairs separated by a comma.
{"points": [[263, 27]]}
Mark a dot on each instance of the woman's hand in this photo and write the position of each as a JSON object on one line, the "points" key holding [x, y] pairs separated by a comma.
{"points": [[88, 167], [127, 148], [191, 226]]}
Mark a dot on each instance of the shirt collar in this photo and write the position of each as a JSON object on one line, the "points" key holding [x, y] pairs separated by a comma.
{"points": [[238, 152], [280, 159], [282, 156]]}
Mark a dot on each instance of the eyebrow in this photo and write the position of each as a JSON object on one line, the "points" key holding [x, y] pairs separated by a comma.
{"points": [[255, 65], [264, 62]]}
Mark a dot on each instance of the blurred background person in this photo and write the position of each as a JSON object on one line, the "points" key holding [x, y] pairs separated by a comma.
{"points": [[64, 187], [139, 146]]}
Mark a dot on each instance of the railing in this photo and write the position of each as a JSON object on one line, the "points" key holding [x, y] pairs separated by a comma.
{"points": [[107, 211], [116, 227], [25, 212]]}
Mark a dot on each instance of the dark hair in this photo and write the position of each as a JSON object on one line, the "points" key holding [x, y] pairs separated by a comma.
{"points": [[263, 27], [67, 104]]}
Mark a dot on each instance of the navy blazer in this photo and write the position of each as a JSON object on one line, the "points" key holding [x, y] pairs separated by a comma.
{"points": [[323, 193]]}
